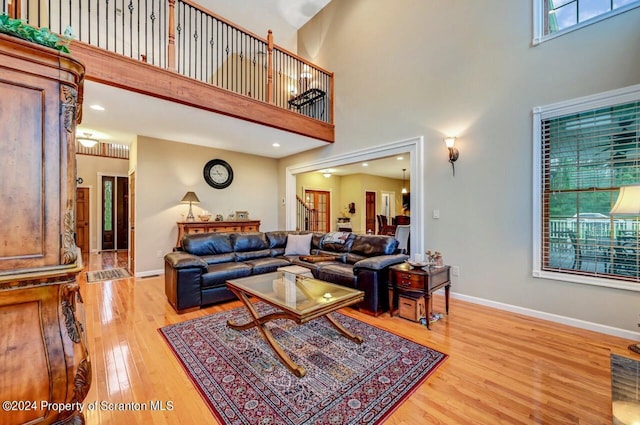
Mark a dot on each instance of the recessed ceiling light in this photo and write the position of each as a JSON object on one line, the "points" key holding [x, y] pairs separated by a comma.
{"points": [[276, 145], [364, 164], [96, 107], [400, 158]]}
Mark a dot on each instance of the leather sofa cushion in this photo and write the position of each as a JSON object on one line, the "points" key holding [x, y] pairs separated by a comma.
{"points": [[372, 245], [277, 239], [218, 274], [202, 244], [337, 241], [354, 258], [221, 258], [249, 241], [266, 265], [250, 255], [338, 273]]}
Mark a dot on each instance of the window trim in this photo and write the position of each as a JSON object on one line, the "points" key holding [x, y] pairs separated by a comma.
{"points": [[538, 21], [540, 113]]}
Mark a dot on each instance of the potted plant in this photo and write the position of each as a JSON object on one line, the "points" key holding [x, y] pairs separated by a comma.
{"points": [[43, 36]]}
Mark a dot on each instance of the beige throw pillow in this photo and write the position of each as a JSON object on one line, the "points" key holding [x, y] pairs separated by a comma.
{"points": [[298, 244]]}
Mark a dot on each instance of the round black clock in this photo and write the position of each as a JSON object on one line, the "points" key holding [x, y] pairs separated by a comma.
{"points": [[218, 173]]}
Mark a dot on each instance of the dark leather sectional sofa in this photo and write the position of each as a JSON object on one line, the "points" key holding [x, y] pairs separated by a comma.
{"points": [[196, 276]]}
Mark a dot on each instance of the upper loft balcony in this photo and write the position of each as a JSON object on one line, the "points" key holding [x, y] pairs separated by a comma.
{"points": [[178, 51]]}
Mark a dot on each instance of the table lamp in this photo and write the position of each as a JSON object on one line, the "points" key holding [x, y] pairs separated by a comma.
{"points": [[628, 204], [190, 197]]}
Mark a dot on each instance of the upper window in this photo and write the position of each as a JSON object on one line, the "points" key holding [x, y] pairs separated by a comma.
{"points": [[555, 17], [585, 150]]}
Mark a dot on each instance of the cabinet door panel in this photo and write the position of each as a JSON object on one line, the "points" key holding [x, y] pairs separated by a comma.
{"points": [[30, 183]]}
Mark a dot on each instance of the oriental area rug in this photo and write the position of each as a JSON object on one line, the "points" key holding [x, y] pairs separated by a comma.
{"points": [[107, 274], [243, 382]]}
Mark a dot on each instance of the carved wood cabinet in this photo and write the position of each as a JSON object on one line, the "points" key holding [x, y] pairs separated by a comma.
{"points": [[44, 357]]}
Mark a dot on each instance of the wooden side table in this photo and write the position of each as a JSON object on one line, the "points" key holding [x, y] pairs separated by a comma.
{"points": [[404, 278]]}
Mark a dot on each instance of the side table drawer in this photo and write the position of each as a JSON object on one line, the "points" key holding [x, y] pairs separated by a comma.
{"points": [[409, 281]]}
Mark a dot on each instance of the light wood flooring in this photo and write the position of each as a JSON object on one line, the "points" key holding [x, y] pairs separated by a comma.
{"points": [[502, 368]]}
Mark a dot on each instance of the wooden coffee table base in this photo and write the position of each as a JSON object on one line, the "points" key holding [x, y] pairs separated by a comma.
{"points": [[260, 321]]}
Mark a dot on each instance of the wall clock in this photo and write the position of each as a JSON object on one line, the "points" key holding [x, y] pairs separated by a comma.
{"points": [[218, 173]]}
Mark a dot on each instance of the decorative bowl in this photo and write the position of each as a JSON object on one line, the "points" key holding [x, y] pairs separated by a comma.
{"points": [[204, 217]]}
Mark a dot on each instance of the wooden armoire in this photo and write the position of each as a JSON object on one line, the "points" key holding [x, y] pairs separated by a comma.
{"points": [[43, 351]]}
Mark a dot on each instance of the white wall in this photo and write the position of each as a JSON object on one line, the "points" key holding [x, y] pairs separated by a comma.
{"points": [[467, 68], [165, 171]]}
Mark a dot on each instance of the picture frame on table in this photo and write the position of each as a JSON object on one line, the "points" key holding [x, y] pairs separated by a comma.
{"points": [[242, 215]]}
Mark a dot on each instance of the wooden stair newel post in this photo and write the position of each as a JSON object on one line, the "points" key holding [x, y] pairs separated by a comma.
{"points": [[171, 45], [45, 358], [270, 67]]}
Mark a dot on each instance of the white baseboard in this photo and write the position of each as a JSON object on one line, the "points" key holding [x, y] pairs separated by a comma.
{"points": [[150, 273], [569, 321]]}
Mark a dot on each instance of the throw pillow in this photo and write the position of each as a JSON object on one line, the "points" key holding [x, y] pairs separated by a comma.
{"points": [[298, 244]]}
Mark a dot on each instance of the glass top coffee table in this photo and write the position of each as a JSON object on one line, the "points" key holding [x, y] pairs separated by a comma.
{"points": [[298, 298]]}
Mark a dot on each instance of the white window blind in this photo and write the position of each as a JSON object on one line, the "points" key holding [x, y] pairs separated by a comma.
{"points": [[585, 156]]}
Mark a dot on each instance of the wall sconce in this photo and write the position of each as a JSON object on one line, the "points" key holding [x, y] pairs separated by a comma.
{"points": [[453, 152], [191, 198]]}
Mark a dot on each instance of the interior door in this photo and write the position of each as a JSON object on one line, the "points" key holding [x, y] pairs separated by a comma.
{"points": [[122, 213], [370, 212], [108, 216], [320, 200], [82, 219], [132, 223]]}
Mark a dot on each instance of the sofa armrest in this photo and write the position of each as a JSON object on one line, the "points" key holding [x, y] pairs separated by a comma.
{"points": [[379, 262], [183, 260]]}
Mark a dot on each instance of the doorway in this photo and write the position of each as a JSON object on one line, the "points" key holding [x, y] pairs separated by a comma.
{"points": [[320, 200], [388, 205], [115, 213], [82, 219], [414, 147], [370, 212]]}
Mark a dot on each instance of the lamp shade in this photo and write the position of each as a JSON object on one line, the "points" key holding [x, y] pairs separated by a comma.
{"points": [[190, 197], [628, 202]]}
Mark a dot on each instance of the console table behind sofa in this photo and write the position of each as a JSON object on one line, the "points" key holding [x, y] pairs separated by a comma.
{"points": [[191, 227]]}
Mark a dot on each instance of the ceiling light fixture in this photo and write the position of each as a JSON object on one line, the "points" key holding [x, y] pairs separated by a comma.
{"points": [[87, 141], [96, 107]]}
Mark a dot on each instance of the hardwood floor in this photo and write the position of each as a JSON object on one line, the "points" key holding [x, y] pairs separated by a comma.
{"points": [[502, 368]]}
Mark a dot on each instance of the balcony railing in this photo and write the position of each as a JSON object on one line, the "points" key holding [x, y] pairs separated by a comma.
{"points": [[182, 36], [600, 246], [104, 149]]}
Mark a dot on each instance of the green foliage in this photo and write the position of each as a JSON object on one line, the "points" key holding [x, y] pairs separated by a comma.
{"points": [[42, 36]]}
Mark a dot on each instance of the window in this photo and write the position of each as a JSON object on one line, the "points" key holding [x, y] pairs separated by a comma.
{"points": [[555, 17], [584, 151]]}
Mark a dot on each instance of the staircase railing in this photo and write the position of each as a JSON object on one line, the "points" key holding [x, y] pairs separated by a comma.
{"points": [[182, 36], [306, 217]]}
